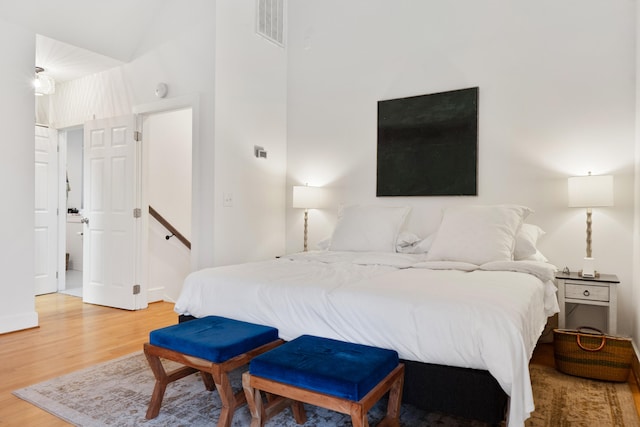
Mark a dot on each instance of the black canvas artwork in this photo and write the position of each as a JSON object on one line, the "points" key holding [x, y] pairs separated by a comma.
{"points": [[428, 145]]}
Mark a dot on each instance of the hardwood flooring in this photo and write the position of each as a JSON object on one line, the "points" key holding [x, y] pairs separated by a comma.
{"points": [[73, 336], [543, 355]]}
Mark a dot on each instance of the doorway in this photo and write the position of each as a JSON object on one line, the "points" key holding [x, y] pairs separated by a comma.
{"points": [[72, 238], [167, 185]]}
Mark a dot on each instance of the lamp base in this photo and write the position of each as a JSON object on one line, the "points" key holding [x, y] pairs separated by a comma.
{"points": [[588, 269]]}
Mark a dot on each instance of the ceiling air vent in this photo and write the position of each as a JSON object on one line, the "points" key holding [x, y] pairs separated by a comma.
{"points": [[270, 20]]}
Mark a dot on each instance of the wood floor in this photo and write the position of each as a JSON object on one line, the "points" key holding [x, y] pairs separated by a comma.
{"points": [[73, 335]]}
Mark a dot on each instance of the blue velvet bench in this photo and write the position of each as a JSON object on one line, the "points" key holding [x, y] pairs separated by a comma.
{"points": [[211, 345], [339, 376]]}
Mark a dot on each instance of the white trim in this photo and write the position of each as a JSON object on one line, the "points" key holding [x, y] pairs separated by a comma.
{"points": [[17, 322], [155, 294], [177, 103], [62, 209]]}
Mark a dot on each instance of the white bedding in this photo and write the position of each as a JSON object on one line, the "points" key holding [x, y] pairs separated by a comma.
{"points": [[483, 317]]}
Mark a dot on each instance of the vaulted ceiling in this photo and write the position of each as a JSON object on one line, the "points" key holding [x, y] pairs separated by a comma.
{"points": [[114, 28], [81, 37], [65, 62]]}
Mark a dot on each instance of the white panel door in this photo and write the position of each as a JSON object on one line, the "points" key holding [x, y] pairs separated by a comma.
{"points": [[46, 210], [111, 233]]}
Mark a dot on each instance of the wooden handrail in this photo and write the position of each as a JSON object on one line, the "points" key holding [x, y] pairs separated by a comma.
{"points": [[166, 224]]}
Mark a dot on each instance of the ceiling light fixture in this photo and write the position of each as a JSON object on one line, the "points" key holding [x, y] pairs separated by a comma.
{"points": [[43, 84]]}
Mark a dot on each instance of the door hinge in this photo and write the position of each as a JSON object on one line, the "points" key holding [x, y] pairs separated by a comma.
{"points": [[56, 274], [136, 289], [137, 135], [137, 212]]}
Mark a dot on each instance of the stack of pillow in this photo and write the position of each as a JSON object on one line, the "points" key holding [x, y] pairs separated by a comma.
{"points": [[471, 234]]}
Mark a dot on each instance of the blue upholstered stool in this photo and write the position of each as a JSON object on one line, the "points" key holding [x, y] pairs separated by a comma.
{"points": [[212, 345], [344, 377]]}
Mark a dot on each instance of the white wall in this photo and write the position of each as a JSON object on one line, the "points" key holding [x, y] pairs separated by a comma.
{"points": [[556, 99], [250, 110], [17, 110], [169, 264]]}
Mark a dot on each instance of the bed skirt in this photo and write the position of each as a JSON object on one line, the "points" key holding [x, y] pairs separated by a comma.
{"points": [[462, 392]]}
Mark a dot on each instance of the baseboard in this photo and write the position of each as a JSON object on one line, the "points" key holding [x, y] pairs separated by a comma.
{"points": [[18, 322], [155, 294]]}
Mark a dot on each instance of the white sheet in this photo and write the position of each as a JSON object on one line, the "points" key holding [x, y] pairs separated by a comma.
{"points": [[480, 319]]}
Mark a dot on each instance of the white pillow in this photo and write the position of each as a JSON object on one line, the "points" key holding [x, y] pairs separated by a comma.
{"points": [[324, 244], [478, 234], [527, 241], [538, 256], [368, 228]]}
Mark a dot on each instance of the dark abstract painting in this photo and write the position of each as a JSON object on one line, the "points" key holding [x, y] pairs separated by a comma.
{"points": [[428, 145]]}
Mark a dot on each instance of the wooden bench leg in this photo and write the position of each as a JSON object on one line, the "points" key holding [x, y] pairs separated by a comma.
{"points": [[207, 379], [392, 419], [230, 401], [162, 379], [261, 412], [299, 414], [359, 416], [254, 401]]}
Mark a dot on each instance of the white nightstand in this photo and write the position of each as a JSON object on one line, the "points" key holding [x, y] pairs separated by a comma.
{"points": [[600, 291]]}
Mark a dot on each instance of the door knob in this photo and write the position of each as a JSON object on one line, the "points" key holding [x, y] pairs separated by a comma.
{"points": [[84, 220]]}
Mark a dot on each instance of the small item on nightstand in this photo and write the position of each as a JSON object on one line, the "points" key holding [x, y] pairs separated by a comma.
{"points": [[595, 274], [566, 270]]}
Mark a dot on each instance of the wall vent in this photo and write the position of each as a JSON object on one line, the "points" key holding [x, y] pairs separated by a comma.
{"points": [[270, 20]]}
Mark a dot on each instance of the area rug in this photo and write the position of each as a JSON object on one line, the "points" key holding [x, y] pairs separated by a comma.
{"points": [[116, 393]]}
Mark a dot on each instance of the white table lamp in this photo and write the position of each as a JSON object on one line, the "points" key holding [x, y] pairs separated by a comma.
{"points": [[589, 192], [305, 197]]}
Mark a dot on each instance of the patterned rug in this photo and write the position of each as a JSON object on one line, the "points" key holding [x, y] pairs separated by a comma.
{"points": [[117, 393]]}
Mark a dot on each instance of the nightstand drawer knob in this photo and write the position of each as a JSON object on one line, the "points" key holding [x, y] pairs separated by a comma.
{"points": [[586, 293]]}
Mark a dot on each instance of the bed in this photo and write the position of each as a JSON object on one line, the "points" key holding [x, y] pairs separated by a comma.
{"points": [[464, 324]]}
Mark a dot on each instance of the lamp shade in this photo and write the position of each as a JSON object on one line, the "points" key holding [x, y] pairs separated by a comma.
{"points": [[306, 197], [590, 191]]}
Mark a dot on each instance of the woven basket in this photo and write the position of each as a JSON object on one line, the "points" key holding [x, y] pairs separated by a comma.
{"points": [[587, 352]]}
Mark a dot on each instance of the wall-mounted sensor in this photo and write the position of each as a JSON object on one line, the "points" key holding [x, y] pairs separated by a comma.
{"points": [[259, 152], [161, 90]]}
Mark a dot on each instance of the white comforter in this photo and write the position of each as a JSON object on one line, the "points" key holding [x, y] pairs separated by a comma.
{"points": [[484, 317]]}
